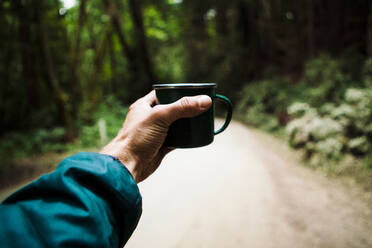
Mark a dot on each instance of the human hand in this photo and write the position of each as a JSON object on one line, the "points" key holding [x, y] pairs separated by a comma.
{"points": [[139, 143]]}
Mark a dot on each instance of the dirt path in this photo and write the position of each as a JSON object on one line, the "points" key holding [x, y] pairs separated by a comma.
{"points": [[241, 192]]}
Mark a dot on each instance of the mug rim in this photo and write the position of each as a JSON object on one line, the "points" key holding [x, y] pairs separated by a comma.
{"points": [[183, 85]]}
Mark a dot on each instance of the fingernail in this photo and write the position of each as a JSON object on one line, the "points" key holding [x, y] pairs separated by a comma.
{"points": [[204, 101]]}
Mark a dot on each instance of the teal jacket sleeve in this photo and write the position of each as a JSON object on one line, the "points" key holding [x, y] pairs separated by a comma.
{"points": [[90, 200]]}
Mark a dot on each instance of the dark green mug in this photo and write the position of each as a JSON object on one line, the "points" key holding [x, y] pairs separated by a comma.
{"points": [[197, 131]]}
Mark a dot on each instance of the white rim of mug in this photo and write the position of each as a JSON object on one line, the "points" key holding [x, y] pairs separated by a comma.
{"points": [[183, 85]]}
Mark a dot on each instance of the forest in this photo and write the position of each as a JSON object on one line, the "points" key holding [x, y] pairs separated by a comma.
{"points": [[301, 69]]}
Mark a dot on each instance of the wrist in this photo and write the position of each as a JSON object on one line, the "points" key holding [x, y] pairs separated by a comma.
{"points": [[117, 149]]}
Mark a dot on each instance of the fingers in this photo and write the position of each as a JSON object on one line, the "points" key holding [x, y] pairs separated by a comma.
{"points": [[150, 98], [186, 107]]}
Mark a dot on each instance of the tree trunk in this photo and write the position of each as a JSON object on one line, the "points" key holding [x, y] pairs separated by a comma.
{"points": [[94, 91], [267, 30], [142, 49], [221, 20], [243, 23], [28, 66], [75, 85], [61, 96], [369, 32], [222, 30], [127, 52], [113, 63], [196, 41], [310, 28], [335, 37]]}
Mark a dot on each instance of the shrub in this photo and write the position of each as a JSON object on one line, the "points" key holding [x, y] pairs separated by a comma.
{"points": [[328, 115], [323, 81], [34, 141], [360, 100], [367, 73], [359, 145], [267, 101], [263, 104], [299, 109], [113, 113], [313, 132], [333, 129], [15, 145]]}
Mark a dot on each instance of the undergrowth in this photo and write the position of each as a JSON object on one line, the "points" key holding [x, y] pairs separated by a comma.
{"points": [[327, 115], [102, 127]]}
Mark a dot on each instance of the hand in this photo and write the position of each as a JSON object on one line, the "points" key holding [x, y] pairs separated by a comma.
{"points": [[139, 143]]}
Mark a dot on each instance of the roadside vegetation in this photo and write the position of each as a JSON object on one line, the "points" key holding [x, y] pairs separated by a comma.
{"points": [[326, 115], [26, 155], [102, 127]]}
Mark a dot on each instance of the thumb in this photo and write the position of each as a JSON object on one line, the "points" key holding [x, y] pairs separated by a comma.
{"points": [[185, 107]]}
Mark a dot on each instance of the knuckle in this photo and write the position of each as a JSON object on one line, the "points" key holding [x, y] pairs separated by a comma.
{"points": [[132, 106], [184, 102], [187, 104]]}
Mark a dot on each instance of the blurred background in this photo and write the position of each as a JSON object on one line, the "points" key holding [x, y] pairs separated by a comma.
{"points": [[299, 74], [301, 70]]}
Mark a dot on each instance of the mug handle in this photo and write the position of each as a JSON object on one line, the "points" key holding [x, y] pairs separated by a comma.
{"points": [[228, 103]]}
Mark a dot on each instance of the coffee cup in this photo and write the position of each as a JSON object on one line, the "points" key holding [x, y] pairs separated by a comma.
{"points": [[197, 131]]}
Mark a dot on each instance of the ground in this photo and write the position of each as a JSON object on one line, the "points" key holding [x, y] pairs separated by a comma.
{"points": [[247, 189]]}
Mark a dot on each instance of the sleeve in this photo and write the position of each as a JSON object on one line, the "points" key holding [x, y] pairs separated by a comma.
{"points": [[90, 200]]}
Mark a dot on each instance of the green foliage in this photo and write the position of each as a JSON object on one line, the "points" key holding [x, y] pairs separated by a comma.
{"points": [[265, 103], [261, 103], [334, 130], [157, 27], [368, 162], [113, 113], [367, 72], [323, 81], [14, 145], [17, 144], [314, 133], [327, 117]]}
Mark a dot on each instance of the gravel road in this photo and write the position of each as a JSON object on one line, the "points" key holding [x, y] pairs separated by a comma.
{"points": [[242, 191]]}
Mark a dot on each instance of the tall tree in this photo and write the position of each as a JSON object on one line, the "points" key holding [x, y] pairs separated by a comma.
{"points": [[28, 66], [142, 49], [113, 62], [128, 53], [74, 82], [94, 90], [369, 32], [61, 96], [195, 37], [267, 31], [310, 28]]}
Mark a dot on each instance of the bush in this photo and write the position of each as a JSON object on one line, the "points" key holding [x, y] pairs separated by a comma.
{"points": [[35, 141], [315, 133], [267, 101], [16, 145], [327, 114], [367, 73], [323, 81], [332, 130], [112, 113], [263, 104]]}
